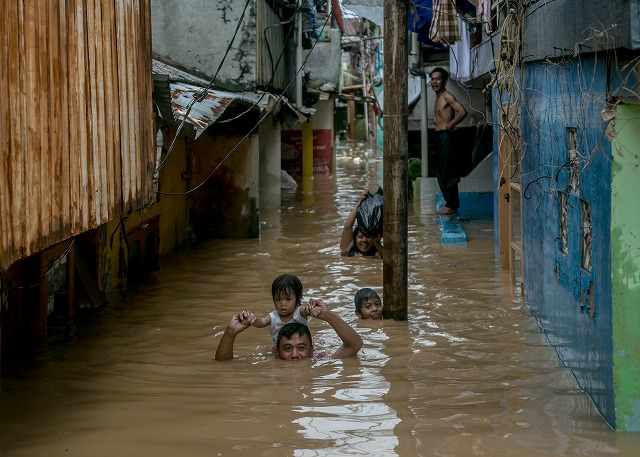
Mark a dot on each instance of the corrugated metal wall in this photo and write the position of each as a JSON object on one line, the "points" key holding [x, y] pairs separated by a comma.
{"points": [[76, 123], [270, 47]]}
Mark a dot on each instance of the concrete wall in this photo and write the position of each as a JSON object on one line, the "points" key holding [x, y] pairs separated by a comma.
{"points": [[323, 120], [324, 62], [323, 117], [625, 266], [172, 209], [195, 34], [572, 304], [589, 313], [226, 203], [557, 28], [270, 158], [554, 29]]}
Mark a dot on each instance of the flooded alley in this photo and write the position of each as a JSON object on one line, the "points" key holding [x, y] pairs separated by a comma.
{"points": [[469, 374]]}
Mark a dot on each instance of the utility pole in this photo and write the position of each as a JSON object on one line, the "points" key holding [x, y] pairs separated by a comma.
{"points": [[395, 160]]}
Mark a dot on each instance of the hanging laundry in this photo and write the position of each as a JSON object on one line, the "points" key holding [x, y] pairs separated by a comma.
{"points": [[309, 23], [460, 55], [465, 6], [420, 14], [444, 26], [483, 14]]}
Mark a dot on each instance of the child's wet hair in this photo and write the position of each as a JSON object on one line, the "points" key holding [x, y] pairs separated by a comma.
{"points": [[287, 283], [363, 295]]}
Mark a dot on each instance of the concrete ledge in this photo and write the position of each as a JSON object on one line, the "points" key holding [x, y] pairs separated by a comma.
{"points": [[452, 231], [476, 204]]}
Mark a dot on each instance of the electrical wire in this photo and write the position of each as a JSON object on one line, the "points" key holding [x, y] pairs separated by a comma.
{"points": [[267, 112], [273, 68], [50, 267], [202, 94]]}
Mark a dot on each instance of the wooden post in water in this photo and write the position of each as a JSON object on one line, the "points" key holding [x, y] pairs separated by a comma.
{"points": [[395, 159]]}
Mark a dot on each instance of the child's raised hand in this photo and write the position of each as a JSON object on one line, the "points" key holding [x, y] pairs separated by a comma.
{"points": [[317, 308], [312, 303]]}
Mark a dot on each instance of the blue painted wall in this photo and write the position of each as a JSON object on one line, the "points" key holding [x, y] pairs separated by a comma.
{"points": [[556, 96]]}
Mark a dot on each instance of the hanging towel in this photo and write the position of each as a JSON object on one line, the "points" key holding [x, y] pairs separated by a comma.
{"points": [[460, 55], [444, 27], [484, 14]]}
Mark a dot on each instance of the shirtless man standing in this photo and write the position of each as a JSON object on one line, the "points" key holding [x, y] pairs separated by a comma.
{"points": [[448, 114]]}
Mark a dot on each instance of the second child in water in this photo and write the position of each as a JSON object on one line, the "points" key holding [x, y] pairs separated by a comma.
{"points": [[368, 304]]}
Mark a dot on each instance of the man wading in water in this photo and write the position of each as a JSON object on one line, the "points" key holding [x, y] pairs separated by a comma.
{"points": [[294, 339], [448, 114]]}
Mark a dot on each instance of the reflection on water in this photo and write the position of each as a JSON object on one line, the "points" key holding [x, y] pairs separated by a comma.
{"points": [[468, 374]]}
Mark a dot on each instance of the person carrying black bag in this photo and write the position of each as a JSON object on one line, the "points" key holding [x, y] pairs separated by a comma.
{"points": [[366, 238]]}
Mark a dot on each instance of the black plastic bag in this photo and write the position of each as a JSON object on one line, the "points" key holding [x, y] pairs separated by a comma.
{"points": [[369, 214]]}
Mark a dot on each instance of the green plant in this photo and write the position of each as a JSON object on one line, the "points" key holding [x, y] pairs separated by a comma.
{"points": [[415, 168]]}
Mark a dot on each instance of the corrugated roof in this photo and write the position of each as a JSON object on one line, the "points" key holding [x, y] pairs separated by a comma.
{"points": [[175, 89]]}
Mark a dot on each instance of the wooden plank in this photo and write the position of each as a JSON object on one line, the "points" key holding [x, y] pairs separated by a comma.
{"points": [[93, 146], [64, 128], [147, 117], [116, 175], [17, 176], [73, 110], [107, 104], [102, 203], [504, 149], [149, 144], [139, 76], [45, 142], [82, 123], [5, 137], [110, 100], [124, 95], [54, 131], [38, 124], [131, 150], [30, 211]]}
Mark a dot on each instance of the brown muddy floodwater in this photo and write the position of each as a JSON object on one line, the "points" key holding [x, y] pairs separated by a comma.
{"points": [[469, 374]]}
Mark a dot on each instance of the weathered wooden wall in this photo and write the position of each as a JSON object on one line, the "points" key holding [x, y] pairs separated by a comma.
{"points": [[76, 118]]}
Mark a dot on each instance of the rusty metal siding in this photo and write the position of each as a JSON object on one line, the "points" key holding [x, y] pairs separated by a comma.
{"points": [[76, 118], [275, 35]]}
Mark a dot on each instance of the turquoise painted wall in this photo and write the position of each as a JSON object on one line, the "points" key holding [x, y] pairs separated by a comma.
{"points": [[625, 266], [571, 303]]}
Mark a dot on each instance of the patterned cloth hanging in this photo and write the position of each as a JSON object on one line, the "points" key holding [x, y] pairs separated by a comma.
{"points": [[444, 27]]}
